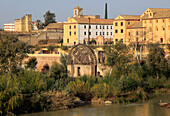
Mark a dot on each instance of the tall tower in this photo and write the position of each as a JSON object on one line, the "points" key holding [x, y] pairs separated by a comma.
{"points": [[105, 10], [78, 11]]}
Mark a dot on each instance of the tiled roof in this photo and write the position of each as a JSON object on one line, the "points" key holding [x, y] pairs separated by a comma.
{"points": [[159, 13], [54, 26], [130, 16], [94, 21], [136, 25]]}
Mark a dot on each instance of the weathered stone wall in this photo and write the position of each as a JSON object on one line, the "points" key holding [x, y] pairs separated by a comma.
{"points": [[44, 59]]}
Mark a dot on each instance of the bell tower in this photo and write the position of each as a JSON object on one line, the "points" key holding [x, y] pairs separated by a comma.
{"points": [[78, 11]]}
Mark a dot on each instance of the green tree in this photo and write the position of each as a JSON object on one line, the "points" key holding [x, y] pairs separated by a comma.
{"points": [[39, 24], [32, 62], [49, 18], [156, 60], [57, 71], [63, 60], [105, 10], [12, 52], [117, 55], [51, 48]]}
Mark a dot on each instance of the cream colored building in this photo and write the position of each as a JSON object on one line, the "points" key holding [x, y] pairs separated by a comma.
{"points": [[152, 26], [24, 24]]}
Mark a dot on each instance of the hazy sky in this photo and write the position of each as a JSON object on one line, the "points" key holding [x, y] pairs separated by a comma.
{"points": [[15, 9]]}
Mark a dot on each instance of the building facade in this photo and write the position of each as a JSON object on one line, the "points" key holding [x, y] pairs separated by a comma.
{"points": [[24, 24], [81, 27], [9, 27], [152, 26]]}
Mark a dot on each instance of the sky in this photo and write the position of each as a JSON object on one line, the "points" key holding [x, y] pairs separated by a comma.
{"points": [[15, 9]]}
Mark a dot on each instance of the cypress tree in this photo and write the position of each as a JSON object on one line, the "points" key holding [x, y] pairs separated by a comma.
{"points": [[105, 10]]}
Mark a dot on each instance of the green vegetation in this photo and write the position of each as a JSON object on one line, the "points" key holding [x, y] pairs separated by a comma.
{"points": [[27, 91], [49, 18]]}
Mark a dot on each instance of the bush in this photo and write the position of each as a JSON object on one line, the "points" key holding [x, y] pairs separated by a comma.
{"points": [[64, 47], [127, 84], [80, 89]]}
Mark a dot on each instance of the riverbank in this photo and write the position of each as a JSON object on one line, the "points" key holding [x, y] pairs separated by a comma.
{"points": [[146, 108]]}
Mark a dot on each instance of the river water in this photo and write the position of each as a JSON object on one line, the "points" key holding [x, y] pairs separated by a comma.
{"points": [[148, 108]]}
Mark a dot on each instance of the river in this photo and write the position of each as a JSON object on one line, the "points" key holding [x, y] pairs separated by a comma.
{"points": [[148, 108]]}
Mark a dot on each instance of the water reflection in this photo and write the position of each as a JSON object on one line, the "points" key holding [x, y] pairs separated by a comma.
{"points": [[150, 108]]}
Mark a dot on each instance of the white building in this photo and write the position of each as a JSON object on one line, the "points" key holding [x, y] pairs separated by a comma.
{"points": [[9, 27]]}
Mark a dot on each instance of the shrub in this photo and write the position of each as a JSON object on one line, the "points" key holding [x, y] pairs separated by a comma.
{"points": [[64, 47], [80, 89]]}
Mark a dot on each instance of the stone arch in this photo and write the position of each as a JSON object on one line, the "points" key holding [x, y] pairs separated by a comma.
{"points": [[81, 59]]}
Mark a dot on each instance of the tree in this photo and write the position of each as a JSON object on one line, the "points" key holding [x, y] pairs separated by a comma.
{"points": [[39, 24], [105, 10], [117, 55], [57, 71], [156, 61], [51, 48], [49, 18], [12, 52], [32, 62], [63, 60]]}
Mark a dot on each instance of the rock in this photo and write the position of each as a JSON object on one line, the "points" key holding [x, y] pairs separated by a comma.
{"points": [[166, 105], [80, 102], [108, 102]]}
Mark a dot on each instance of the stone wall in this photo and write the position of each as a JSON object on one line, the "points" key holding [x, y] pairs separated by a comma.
{"points": [[44, 59]]}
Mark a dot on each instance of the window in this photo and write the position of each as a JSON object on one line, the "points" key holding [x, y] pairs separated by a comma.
{"points": [[107, 33], [111, 33], [136, 33], [96, 33], [107, 27], [156, 20], [110, 27], [74, 43], [144, 39], [74, 26], [163, 28], [121, 30], [100, 27], [67, 40], [89, 26], [74, 33], [84, 33], [96, 26], [89, 33], [136, 39], [116, 31], [150, 14], [129, 33], [128, 23], [103, 33], [144, 32], [156, 28], [84, 26], [161, 40], [121, 40], [121, 23], [69, 27], [116, 40], [103, 27], [70, 33], [100, 33], [163, 20], [145, 22], [116, 24]]}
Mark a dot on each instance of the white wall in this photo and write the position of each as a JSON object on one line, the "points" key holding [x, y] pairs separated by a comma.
{"points": [[93, 31]]}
